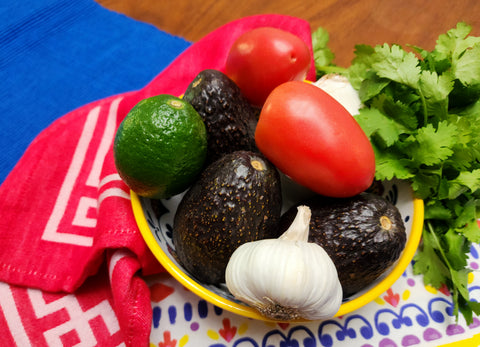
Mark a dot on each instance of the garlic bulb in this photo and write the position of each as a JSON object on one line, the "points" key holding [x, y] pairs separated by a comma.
{"points": [[341, 90], [286, 278]]}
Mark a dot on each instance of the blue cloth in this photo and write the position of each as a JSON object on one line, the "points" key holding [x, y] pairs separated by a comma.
{"points": [[57, 55]]}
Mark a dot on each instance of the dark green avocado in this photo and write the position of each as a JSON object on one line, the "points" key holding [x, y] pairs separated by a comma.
{"points": [[237, 199], [363, 235], [229, 118]]}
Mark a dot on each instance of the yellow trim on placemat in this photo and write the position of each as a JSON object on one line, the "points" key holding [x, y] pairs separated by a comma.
{"points": [[474, 341]]}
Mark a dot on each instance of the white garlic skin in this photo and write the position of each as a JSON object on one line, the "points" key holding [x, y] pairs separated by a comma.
{"points": [[285, 280], [338, 87]]}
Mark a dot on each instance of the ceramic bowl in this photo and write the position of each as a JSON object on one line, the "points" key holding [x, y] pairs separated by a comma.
{"points": [[155, 221]]}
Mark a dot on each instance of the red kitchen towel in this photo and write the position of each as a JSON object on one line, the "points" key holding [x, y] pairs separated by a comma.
{"points": [[64, 211]]}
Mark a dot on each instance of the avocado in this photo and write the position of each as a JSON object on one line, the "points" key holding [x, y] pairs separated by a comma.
{"points": [[236, 199], [229, 118], [363, 235]]}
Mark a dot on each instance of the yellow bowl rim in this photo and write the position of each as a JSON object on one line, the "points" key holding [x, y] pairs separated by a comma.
{"points": [[347, 307]]}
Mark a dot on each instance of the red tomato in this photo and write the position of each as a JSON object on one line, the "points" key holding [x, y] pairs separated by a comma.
{"points": [[313, 139], [263, 58]]}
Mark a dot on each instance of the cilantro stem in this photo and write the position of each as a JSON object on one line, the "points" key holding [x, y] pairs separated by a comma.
{"points": [[454, 289], [437, 242], [424, 107], [331, 69]]}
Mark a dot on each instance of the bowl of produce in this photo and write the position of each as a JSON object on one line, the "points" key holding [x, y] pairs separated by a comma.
{"points": [[267, 207], [254, 232]]}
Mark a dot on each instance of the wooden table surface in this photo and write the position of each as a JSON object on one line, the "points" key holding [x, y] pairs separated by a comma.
{"points": [[349, 22]]}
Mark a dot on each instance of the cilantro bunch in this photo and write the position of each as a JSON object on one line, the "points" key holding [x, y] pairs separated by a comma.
{"points": [[422, 115]]}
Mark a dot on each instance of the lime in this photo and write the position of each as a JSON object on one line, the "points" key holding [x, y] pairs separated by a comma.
{"points": [[160, 147]]}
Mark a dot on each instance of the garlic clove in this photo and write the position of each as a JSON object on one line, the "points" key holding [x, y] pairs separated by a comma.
{"points": [[298, 230], [331, 301]]}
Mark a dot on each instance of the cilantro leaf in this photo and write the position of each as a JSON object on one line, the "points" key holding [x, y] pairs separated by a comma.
{"points": [[390, 164], [455, 248], [363, 55], [425, 183], [451, 45], [322, 55], [361, 64], [372, 87], [435, 87], [374, 122], [466, 222], [467, 67], [398, 110], [460, 282], [428, 263], [396, 64], [466, 307], [471, 231], [432, 146], [465, 181], [436, 210]]}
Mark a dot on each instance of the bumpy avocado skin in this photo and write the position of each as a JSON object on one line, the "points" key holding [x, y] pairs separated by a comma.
{"points": [[363, 235], [229, 118], [236, 199]]}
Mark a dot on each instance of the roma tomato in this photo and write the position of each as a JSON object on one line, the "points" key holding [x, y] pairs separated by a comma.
{"points": [[263, 58], [313, 139]]}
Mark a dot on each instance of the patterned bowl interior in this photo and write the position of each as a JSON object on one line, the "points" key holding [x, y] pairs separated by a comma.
{"points": [[155, 220]]}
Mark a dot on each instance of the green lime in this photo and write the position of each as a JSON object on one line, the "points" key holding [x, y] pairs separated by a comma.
{"points": [[160, 147]]}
